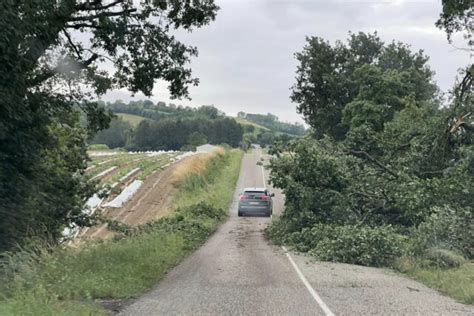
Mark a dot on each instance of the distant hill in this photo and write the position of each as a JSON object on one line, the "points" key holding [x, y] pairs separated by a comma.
{"points": [[134, 120], [271, 122], [144, 125], [243, 121], [173, 127], [148, 109]]}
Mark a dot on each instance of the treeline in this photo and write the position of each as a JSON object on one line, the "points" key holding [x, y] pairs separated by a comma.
{"points": [[160, 110], [263, 137], [272, 122], [177, 134], [179, 128], [387, 172]]}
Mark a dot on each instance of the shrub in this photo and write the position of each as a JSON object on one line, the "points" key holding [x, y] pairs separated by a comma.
{"points": [[442, 258], [362, 245], [446, 228], [357, 244], [276, 231]]}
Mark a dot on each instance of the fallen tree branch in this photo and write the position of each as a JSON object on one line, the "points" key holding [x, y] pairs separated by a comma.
{"points": [[372, 159], [460, 123]]}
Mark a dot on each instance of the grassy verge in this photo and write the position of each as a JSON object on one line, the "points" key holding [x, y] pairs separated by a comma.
{"points": [[69, 281], [214, 185], [457, 283]]}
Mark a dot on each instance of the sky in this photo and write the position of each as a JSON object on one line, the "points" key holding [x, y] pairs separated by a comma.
{"points": [[246, 56]]}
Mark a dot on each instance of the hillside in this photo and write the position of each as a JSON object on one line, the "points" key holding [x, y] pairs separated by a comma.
{"points": [[133, 119], [272, 122], [243, 121], [190, 127]]}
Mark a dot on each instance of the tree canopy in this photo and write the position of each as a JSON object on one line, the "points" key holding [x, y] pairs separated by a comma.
{"points": [[364, 71], [55, 57]]}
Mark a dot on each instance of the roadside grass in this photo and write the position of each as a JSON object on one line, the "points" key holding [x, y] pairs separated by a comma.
{"points": [[68, 281], [457, 283], [214, 185]]}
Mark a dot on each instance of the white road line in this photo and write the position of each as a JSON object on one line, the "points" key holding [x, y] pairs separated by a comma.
{"points": [[313, 293], [263, 177]]}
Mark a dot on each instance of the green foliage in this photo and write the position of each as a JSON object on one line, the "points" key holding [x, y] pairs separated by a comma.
{"points": [[196, 139], [266, 138], [364, 69], [442, 258], [168, 134], [132, 119], [448, 228], [272, 122], [117, 135], [39, 198], [218, 188], [48, 76], [457, 16], [169, 127], [158, 111], [356, 244], [207, 176], [382, 153]]}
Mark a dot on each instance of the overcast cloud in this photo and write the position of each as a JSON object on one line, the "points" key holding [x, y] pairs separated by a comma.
{"points": [[246, 60]]}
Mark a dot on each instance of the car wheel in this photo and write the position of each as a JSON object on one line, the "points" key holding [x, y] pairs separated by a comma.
{"points": [[239, 213]]}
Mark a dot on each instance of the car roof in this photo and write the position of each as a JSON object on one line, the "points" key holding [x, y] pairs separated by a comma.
{"points": [[255, 189]]}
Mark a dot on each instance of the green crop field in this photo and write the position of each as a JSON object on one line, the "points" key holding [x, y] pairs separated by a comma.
{"points": [[134, 120], [110, 166]]}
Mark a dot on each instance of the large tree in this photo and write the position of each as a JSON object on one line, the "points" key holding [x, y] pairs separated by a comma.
{"points": [[329, 77], [56, 56]]}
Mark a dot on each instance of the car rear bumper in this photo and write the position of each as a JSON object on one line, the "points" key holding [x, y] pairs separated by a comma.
{"points": [[255, 210]]}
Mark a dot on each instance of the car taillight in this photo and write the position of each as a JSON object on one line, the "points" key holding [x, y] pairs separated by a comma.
{"points": [[264, 198], [243, 197]]}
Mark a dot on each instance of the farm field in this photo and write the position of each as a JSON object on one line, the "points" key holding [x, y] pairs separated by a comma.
{"points": [[109, 167], [122, 176], [246, 122], [134, 120]]}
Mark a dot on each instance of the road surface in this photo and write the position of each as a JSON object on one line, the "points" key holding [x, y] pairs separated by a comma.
{"points": [[238, 272]]}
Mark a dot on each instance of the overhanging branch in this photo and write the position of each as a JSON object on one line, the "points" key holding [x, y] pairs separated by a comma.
{"points": [[74, 47], [47, 74], [100, 15], [95, 6], [80, 25]]}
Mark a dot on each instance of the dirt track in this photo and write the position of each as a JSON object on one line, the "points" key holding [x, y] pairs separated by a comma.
{"points": [[151, 201]]}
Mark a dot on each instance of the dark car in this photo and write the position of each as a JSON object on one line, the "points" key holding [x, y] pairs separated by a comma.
{"points": [[255, 201]]}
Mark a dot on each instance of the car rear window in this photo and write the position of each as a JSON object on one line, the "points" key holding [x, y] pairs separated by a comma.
{"points": [[253, 194]]}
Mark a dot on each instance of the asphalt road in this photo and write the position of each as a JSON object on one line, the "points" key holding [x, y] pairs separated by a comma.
{"points": [[238, 272]]}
